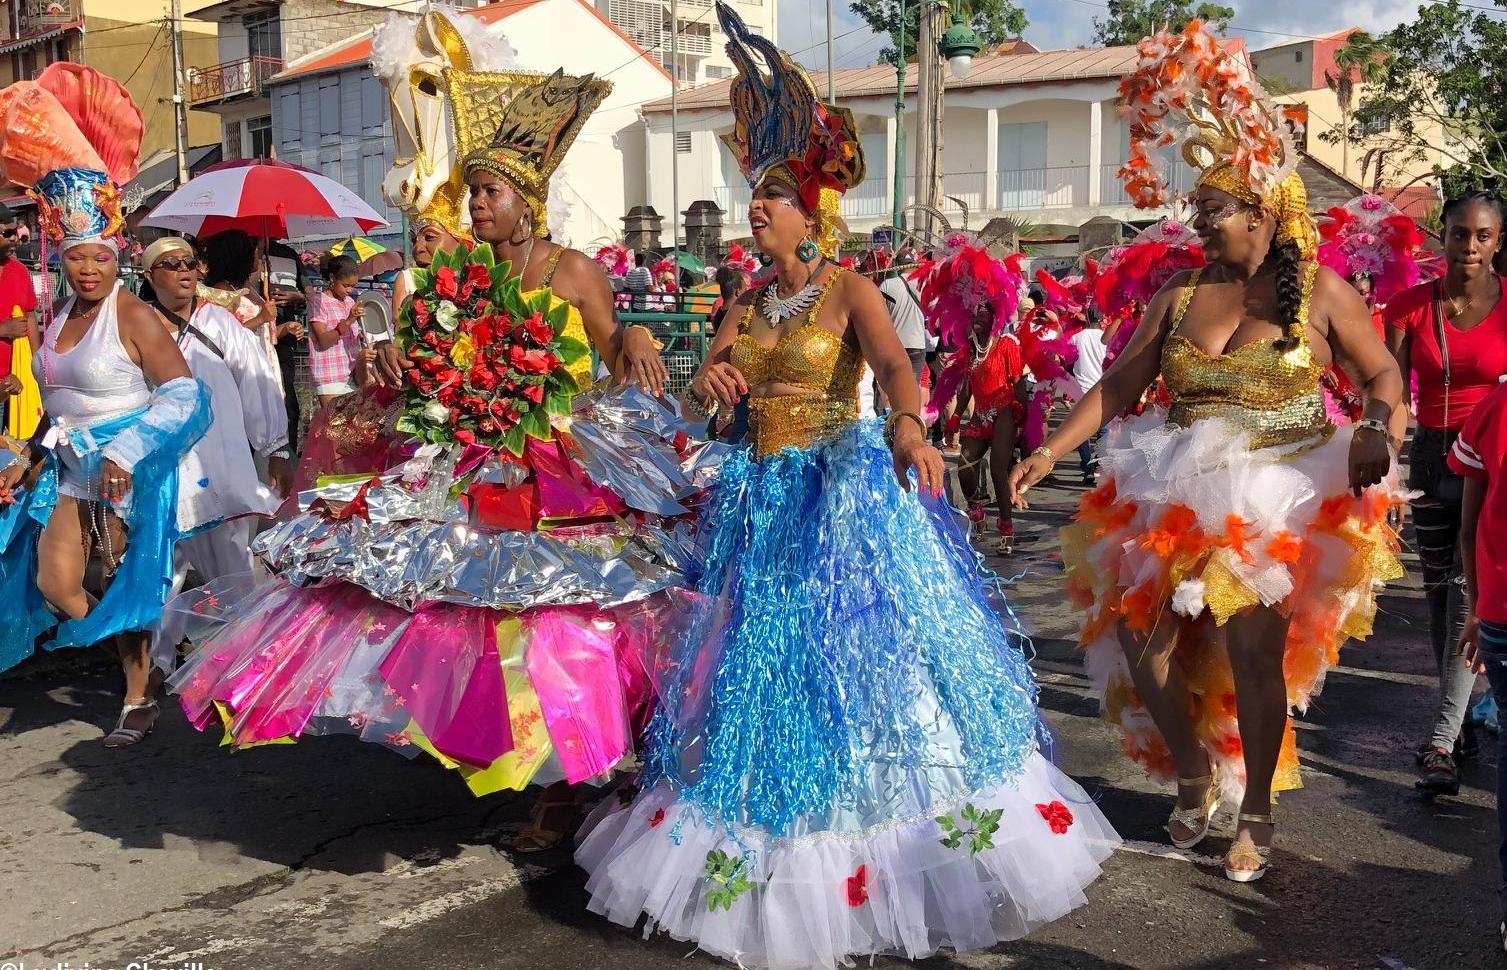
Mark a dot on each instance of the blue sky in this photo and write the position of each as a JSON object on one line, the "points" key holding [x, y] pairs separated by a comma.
{"points": [[1069, 23]]}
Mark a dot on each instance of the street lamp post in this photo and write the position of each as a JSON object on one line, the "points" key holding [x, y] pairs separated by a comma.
{"points": [[957, 46]]}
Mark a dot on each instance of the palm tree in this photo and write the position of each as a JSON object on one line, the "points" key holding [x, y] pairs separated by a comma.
{"points": [[1361, 61]]}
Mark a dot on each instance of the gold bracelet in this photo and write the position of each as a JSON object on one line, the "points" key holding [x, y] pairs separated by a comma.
{"points": [[1046, 453], [894, 419]]}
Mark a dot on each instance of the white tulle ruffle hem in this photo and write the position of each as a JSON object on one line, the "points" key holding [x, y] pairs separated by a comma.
{"points": [[814, 902]]}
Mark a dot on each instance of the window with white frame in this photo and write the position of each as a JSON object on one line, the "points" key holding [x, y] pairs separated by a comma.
{"points": [[259, 133]]}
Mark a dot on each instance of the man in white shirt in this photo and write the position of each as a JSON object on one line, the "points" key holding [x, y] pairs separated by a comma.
{"points": [[219, 491], [638, 282], [1090, 342], [905, 312]]}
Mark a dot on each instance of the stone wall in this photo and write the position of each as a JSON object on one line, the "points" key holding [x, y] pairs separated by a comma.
{"points": [[310, 25]]}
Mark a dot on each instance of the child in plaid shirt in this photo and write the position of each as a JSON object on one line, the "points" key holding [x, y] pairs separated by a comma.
{"points": [[334, 331]]}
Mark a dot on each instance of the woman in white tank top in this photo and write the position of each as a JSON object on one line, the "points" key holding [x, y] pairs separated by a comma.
{"points": [[121, 408]]}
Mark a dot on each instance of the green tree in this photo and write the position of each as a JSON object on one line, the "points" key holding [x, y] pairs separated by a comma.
{"points": [[995, 21], [1131, 20], [1438, 95], [1362, 61]]}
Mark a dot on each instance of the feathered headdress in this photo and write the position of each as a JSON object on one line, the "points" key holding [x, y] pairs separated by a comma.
{"points": [[954, 283], [1067, 297], [1369, 236], [781, 129], [72, 137], [667, 274], [1187, 89], [1129, 275], [615, 260], [740, 259]]}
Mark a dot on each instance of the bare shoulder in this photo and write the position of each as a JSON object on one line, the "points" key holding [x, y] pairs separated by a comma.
{"points": [[1328, 285], [578, 265], [857, 285], [1180, 281], [135, 315]]}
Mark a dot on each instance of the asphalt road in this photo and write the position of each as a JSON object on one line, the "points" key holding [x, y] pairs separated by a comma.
{"points": [[339, 854]]}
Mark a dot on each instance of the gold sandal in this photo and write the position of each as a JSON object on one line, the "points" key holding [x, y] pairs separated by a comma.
{"points": [[1260, 854], [538, 838], [1199, 818]]}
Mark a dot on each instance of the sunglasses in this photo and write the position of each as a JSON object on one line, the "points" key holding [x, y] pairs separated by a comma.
{"points": [[175, 265]]}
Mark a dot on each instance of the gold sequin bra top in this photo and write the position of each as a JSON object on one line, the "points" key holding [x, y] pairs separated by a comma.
{"points": [[1274, 396], [807, 356]]}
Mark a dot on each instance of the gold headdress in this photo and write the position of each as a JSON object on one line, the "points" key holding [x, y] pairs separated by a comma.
{"points": [[782, 130], [1187, 88], [446, 209], [519, 125]]}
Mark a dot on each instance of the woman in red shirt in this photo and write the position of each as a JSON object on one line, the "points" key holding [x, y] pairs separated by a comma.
{"points": [[994, 374], [1451, 335]]}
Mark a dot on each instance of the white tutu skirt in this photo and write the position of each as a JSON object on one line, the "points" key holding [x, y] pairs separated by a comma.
{"points": [[1194, 523], [844, 760], [901, 887]]}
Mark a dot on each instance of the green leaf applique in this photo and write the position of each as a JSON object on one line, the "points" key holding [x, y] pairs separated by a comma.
{"points": [[729, 880], [977, 829]]}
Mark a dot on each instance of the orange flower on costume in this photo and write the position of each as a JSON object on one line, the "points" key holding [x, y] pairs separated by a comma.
{"points": [[1333, 514], [1285, 547], [1236, 537], [1139, 607], [1177, 532]]}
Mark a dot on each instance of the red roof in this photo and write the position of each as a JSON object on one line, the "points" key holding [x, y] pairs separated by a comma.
{"points": [[358, 50]]}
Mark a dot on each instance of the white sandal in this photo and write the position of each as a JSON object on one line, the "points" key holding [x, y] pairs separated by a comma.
{"points": [[1261, 854], [124, 737]]}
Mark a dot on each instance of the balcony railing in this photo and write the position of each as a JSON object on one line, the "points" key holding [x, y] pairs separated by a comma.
{"points": [[231, 80], [40, 15]]}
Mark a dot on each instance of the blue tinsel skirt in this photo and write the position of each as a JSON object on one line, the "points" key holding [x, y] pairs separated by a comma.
{"points": [[844, 760]]}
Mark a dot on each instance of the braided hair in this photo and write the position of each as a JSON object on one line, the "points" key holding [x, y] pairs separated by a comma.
{"points": [[1482, 197], [1288, 263]]}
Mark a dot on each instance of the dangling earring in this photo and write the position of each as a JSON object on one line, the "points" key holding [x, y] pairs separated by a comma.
{"points": [[807, 252]]}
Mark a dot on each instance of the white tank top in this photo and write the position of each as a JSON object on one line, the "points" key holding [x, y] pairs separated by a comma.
{"points": [[94, 380]]}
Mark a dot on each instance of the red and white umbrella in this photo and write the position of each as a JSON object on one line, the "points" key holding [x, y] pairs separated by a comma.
{"points": [[264, 198]]}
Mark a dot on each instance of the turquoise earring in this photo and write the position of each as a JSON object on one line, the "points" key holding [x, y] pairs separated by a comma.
{"points": [[807, 252]]}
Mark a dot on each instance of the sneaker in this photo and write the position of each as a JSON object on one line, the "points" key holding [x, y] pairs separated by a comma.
{"points": [[1467, 746], [1439, 776]]}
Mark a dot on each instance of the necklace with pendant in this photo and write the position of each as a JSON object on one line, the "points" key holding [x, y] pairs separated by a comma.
{"points": [[777, 309]]}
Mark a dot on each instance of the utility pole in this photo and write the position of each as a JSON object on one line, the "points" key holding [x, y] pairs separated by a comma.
{"points": [[929, 92], [831, 75], [180, 107], [675, 130], [897, 213]]}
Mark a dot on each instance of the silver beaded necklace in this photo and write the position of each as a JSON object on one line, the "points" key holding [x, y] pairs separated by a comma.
{"points": [[777, 309]]}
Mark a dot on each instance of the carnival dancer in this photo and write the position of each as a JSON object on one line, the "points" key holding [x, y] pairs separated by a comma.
{"points": [[483, 600], [1239, 538], [1377, 248], [220, 494], [844, 761], [121, 405], [972, 301]]}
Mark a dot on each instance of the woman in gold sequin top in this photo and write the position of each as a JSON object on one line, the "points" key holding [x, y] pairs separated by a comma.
{"points": [[1238, 538], [844, 760]]}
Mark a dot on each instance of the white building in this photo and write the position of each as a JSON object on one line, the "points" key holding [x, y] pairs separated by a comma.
{"points": [[1034, 135], [330, 113], [701, 44]]}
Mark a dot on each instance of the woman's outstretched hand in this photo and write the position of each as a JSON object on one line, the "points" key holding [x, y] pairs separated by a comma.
{"points": [[1026, 474], [916, 453]]}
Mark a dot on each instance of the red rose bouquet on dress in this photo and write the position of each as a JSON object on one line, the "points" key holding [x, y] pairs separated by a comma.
{"points": [[490, 365]]}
